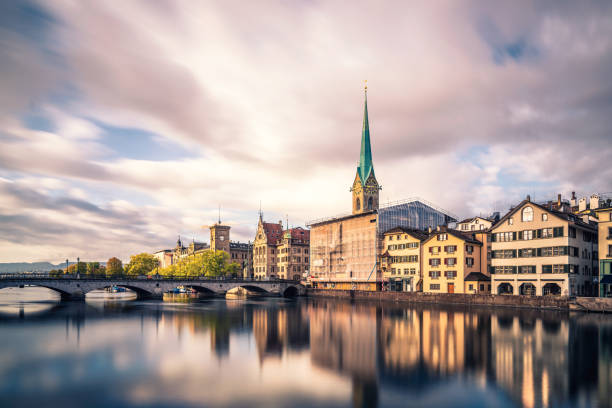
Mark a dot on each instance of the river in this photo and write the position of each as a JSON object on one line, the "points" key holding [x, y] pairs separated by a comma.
{"points": [[275, 352]]}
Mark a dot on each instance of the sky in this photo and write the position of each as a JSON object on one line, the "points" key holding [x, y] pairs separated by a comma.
{"points": [[125, 125]]}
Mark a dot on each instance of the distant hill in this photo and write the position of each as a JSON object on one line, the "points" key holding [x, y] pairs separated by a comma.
{"points": [[20, 267]]}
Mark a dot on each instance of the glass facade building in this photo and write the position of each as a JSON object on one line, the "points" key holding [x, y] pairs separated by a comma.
{"points": [[413, 214]]}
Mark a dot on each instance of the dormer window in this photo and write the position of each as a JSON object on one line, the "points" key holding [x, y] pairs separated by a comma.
{"points": [[527, 214], [544, 217], [510, 221]]}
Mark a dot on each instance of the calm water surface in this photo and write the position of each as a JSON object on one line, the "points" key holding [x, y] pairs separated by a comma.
{"points": [[296, 353]]}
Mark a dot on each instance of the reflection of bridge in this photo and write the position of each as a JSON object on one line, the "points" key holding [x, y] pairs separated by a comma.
{"points": [[77, 288]]}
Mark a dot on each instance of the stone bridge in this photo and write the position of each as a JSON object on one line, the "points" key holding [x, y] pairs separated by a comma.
{"points": [[77, 288]]}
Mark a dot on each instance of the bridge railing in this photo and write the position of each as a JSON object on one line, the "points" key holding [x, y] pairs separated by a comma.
{"points": [[39, 276]]}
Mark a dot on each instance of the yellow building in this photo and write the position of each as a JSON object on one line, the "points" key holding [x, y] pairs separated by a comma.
{"points": [[449, 257], [604, 216], [401, 259]]}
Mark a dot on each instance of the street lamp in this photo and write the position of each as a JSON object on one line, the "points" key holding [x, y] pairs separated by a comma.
{"points": [[77, 270], [66, 266]]}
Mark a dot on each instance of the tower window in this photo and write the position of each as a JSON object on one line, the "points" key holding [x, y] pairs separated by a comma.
{"points": [[370, 203], [358, 204]]}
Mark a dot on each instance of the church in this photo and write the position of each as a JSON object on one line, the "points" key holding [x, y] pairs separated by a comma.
{"points": [[346, 250]]}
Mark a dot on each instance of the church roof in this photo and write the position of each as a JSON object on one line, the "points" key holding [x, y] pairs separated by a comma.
{"points": [[273, 232], [365, 158]]}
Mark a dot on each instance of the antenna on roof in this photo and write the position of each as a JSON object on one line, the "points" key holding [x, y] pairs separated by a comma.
{"points": [[260, 212], [287, 217], [219, 213]]}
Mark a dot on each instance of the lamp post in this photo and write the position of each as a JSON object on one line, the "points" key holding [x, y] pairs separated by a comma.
{"points": [[77, 269], [66, 265]]}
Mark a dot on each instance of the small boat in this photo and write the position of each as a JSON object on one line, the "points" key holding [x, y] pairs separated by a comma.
{"points": [[115, 289]]}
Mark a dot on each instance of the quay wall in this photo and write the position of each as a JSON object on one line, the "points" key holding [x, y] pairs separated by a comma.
{"points": [[536, 302]]}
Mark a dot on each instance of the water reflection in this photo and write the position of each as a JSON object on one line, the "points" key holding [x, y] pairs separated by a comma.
{"points": [[276, 352]]}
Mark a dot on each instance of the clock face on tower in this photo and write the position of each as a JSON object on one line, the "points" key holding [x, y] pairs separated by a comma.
{"points": [[221, 238]]}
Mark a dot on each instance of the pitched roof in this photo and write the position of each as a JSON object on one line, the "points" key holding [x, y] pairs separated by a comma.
{"points": [[467, 236], [564, 216], [418, 234], [477, 276], [300, 233], [273, 232]]}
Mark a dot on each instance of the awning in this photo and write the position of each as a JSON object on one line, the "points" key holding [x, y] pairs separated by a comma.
{"points": [[607, 279]]}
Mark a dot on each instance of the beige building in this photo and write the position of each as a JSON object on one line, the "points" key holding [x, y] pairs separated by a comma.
{"points": [[474, 224], [604, 216], [538, 251], [278, 253], [401, 259], [449, 258]]}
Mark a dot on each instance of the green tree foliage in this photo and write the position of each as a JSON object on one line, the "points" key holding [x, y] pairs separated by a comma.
{"points": [[141, 264], [93, 268], [114, 267], [54, 273], [72, 269], [233, 269], [208, 263]]}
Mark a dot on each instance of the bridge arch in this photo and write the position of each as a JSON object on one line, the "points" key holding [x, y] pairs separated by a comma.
{"points": [[254, 288], [62, 293], [291, 291], [202, 289], [140, 292]]}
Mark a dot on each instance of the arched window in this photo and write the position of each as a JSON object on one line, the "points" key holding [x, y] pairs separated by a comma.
{"points": [[527, 214], [370, 203], [358, 205]]}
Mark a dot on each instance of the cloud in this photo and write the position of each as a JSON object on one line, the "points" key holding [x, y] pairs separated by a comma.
{"points": [[156, 113]]}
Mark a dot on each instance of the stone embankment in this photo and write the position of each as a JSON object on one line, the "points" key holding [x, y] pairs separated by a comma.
{"points": [[534, 302]]}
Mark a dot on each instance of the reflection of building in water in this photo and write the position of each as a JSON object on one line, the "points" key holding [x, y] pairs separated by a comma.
{"points": [[277, 330], [443, 341], [530, 358], [604, 364], [400, 340], [343, 337]]}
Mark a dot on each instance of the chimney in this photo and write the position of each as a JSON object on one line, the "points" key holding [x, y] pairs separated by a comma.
{"points": [[594, 203], [528, 197], [559, 200], [573, 200], [438, 228], [582, 204], [429, 230]]}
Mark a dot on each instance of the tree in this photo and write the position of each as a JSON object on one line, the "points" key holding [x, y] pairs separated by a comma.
{"points": [[72, 269], [214, 263], [141, 264], [56, 272], [93, 268], [233, 269], [114, 267]]}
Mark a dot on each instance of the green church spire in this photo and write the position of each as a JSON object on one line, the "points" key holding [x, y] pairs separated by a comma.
{"points": [[365, 158]]}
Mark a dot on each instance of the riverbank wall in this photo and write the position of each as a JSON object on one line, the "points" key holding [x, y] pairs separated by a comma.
{"points": [[532, 302]]}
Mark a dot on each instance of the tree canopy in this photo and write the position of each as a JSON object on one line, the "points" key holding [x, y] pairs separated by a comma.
{"points": [[141, 264], [114, 267], [208, 263]]}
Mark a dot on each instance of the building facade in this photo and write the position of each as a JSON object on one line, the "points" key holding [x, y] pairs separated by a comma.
{"points": [[538, 251], [474, 224], [278, 253], [604, 225], [449, 257], [401, 259]]}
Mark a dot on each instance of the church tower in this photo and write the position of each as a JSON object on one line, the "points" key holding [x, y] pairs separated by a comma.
{"points": [[365, 187]]}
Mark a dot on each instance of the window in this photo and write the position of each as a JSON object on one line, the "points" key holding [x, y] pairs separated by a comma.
{"points": [[392, 271], [572, 232], [434, 261], [434, 286], [526, 269], [451, 274], [434, 274], [510, 221], [413, 258], [413, 245], [406, 271], [358, 204], [370, 203], [504, 269], [482, 286], [544, 217], [450, 249], [469, 261], [412, 271], [450, 261], [558, 232], [442, 237], [390, 237], [470, 287], [527, 214], [469, 248], [609, 231], [546, 232]]}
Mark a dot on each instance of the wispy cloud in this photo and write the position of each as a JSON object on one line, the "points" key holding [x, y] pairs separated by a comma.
{"points": [[132, 124]]}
